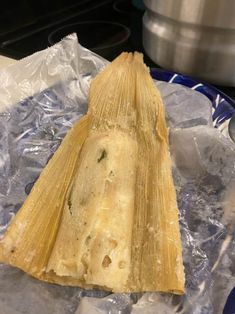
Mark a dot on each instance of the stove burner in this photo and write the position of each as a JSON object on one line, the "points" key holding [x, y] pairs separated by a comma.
{"points": [[107, 39], [123, 7]]}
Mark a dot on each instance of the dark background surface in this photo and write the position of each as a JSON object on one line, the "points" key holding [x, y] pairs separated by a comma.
{"points": [[27, 26]]}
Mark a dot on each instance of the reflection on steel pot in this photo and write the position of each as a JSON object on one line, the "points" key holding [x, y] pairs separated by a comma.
{"points": [[196, 37]]}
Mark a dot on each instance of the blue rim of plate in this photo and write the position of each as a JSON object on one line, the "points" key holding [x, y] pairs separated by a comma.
{"points": [[223, 107]]}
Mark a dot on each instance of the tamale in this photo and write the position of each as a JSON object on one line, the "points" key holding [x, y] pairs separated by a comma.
{"points": [[103, 214]]}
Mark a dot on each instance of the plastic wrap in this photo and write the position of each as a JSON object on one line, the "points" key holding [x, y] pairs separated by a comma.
{"points": [[41, 97]]}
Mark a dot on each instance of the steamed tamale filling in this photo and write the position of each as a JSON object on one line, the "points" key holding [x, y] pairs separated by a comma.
{"points": [[103, 213]]}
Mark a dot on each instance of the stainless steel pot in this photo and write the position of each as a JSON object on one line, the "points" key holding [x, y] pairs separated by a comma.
{"points": [[195, 37]]}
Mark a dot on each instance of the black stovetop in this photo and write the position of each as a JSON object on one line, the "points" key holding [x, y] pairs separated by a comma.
{"points": [[31, 27]]}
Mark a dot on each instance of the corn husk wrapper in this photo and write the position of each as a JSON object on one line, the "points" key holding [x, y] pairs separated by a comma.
{"points": [[103, 214]]}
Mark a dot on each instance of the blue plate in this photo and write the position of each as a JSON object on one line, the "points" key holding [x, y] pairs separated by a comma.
{"points": [[223, 109], [223, 106]]}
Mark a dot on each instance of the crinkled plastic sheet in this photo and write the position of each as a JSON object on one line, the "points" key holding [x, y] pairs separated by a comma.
{"points": [[41, 97]]}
